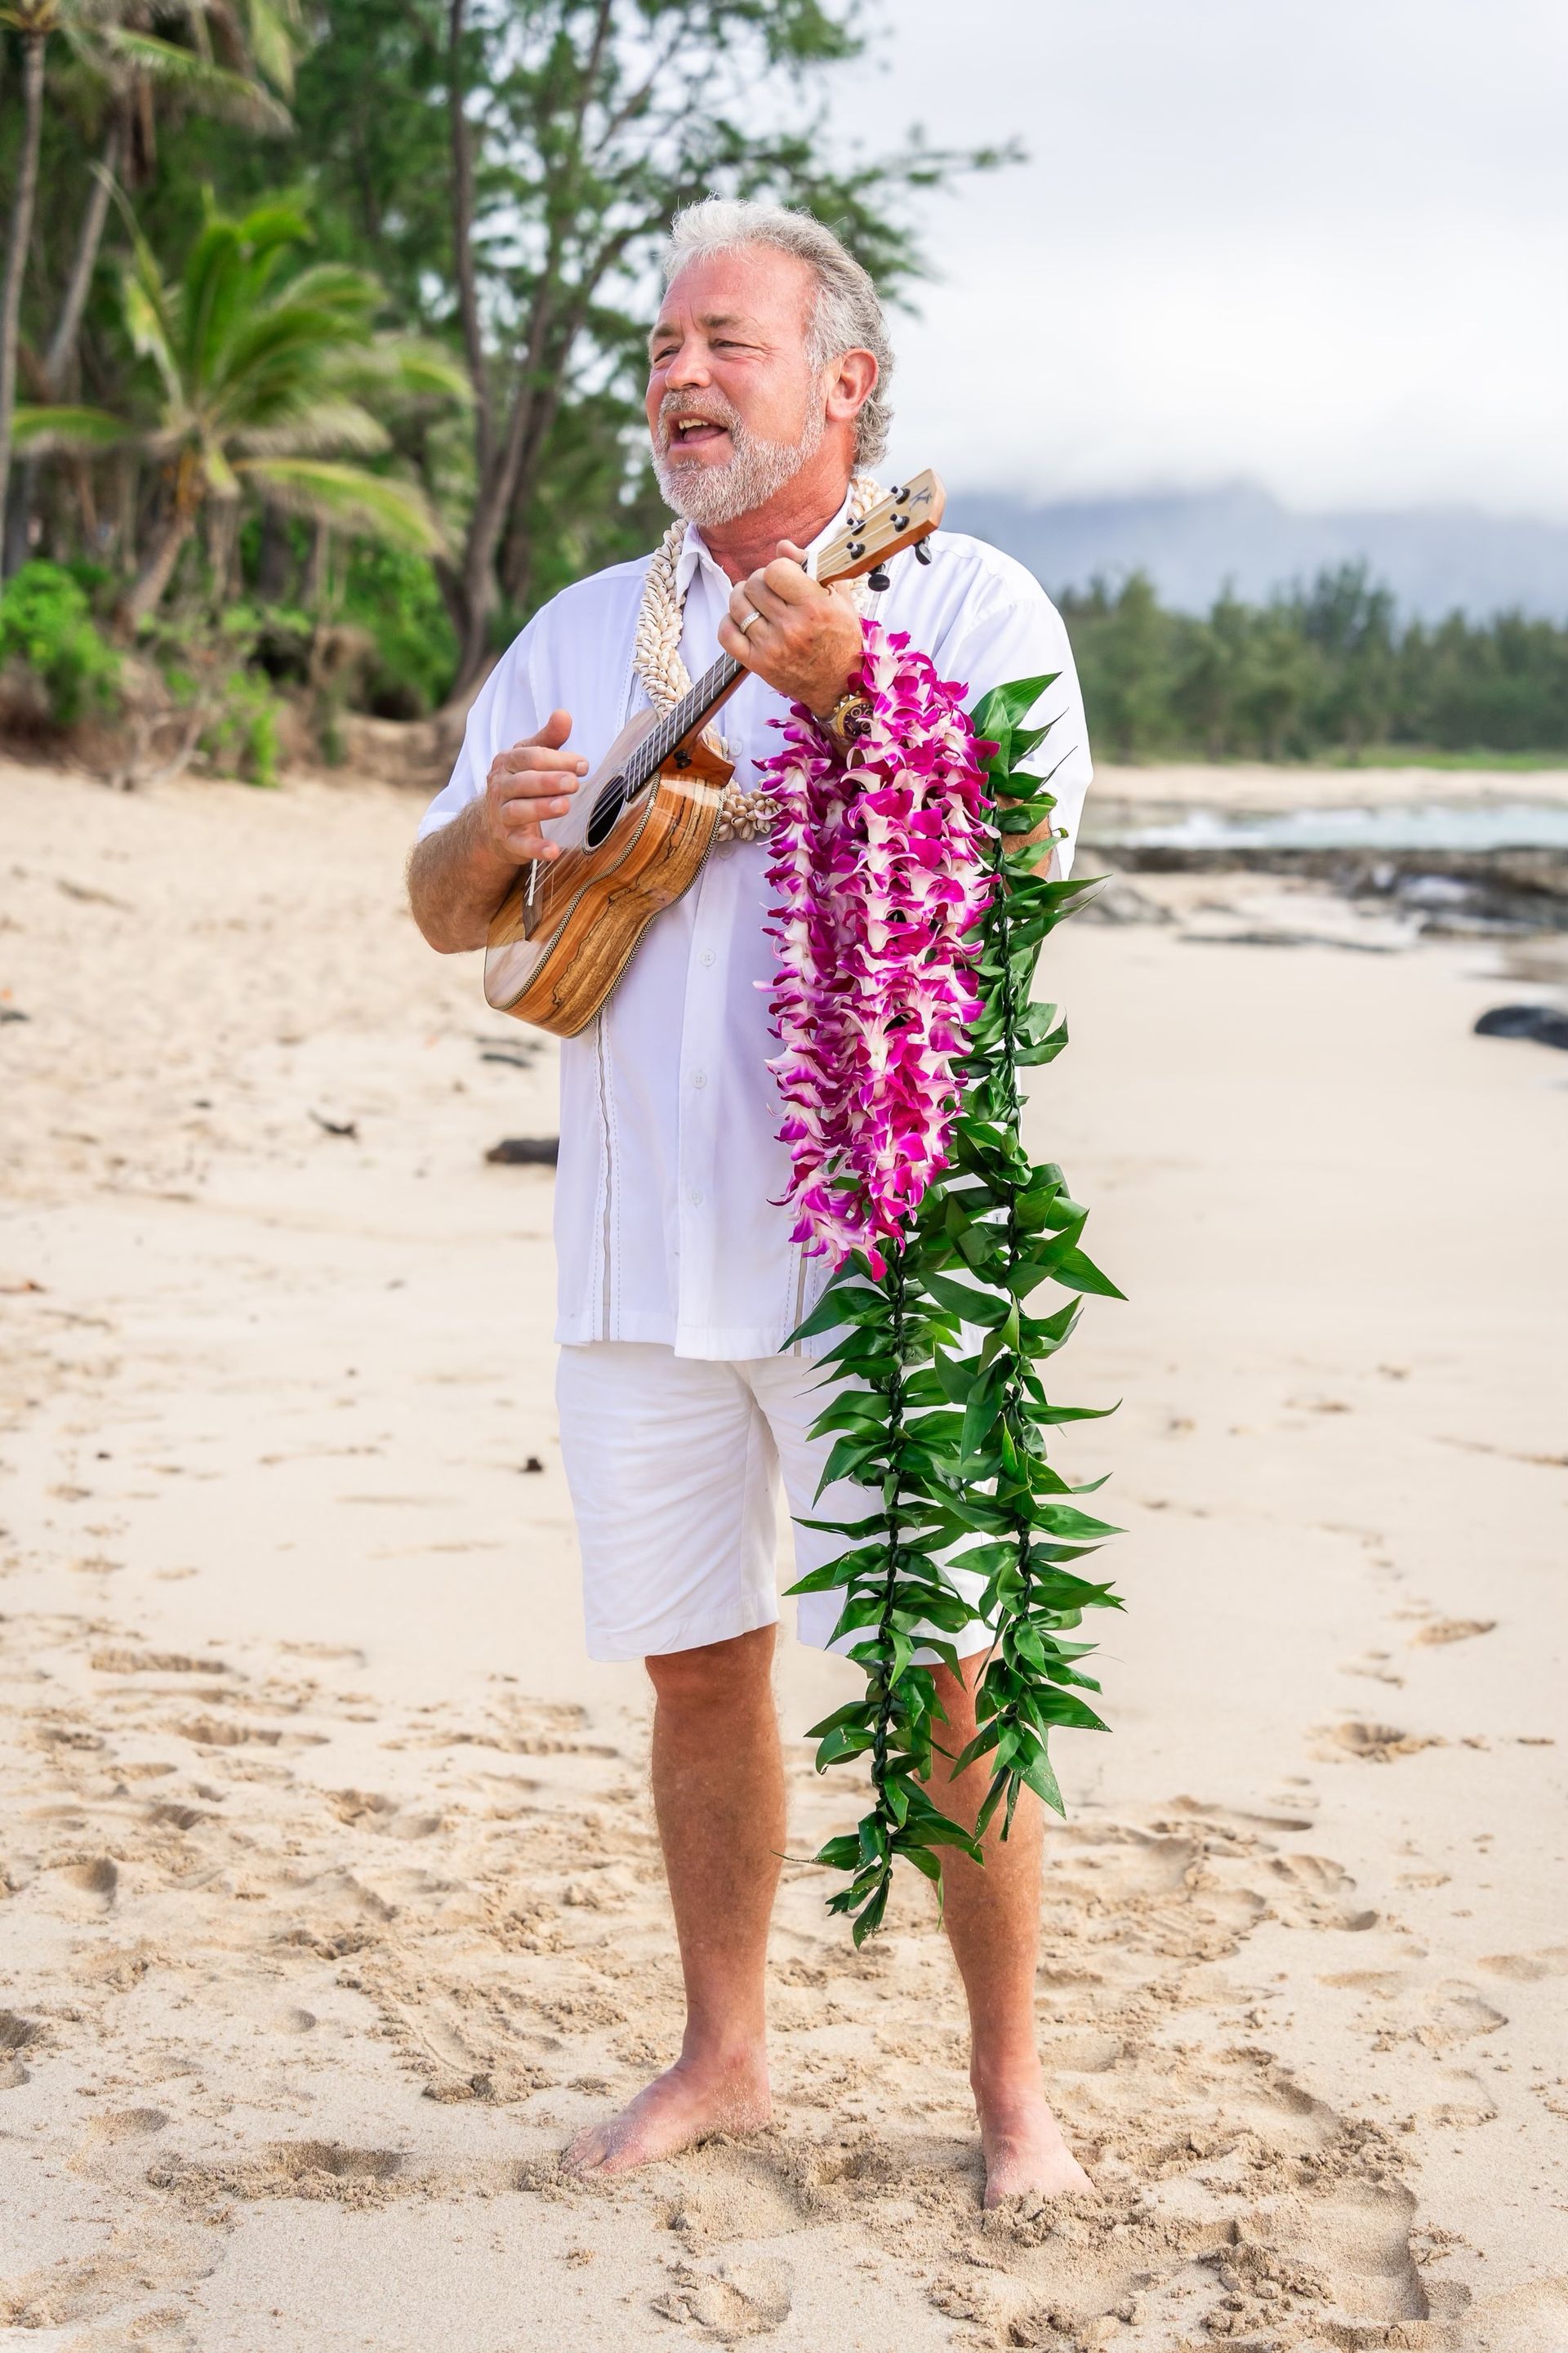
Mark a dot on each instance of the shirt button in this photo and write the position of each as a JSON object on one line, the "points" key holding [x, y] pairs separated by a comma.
{"points": [[706, 956], [696, 1196], [699, 1078]]}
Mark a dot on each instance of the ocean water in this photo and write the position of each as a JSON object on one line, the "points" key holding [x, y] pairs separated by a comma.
{"points": [[1409, 826]]}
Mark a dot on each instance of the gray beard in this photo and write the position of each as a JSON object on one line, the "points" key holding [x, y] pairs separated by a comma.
{"points": [[756, 471]]}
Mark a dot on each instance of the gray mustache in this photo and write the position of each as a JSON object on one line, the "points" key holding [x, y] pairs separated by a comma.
{"points": [[672, 406]]}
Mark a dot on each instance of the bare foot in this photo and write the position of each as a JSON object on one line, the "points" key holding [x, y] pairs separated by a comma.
{"points": [[1025, 2155], [687, 2102]]}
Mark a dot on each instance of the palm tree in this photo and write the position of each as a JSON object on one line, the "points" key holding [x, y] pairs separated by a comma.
{"points": [[262, 378], [122, 58], [34, 20]]}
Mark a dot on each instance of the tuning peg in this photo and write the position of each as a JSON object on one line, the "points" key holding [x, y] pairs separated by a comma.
{"points": [[922, 551], [879, 579]]}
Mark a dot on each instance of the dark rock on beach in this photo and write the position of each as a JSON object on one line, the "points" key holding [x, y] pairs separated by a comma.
{"points": [[525, 1151], [1541, 1023]]}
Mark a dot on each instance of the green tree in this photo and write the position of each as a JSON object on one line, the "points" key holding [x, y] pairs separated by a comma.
{"points": [[1125, 645], [1350, 624], [118, 63], [510, 165], [261, 381], [1212, 676]]}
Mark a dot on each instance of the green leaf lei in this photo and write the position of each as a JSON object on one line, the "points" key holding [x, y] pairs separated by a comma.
{"points": [[951, 1429]]}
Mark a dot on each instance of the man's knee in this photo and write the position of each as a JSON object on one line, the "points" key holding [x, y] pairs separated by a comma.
{"points": [[714, 1674], [956, 1693]]}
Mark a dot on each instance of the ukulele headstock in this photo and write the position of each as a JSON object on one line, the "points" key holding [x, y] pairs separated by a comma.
{"points": [[908, 514]]}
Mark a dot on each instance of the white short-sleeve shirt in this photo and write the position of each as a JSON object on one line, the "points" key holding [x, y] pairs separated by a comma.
{"points": [[668, 1222]]}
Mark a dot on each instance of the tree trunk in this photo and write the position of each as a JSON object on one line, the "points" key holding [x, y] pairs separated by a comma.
{"points": [[273, 559], [23, 198], [480, 589], [146, 592], [59, 357], [463, 242], [62, 344], [532, 410], [316, 565]]}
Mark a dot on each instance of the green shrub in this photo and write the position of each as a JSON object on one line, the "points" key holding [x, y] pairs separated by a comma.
{"points": [[241, 738], [45, 622], [208, 671], [394, 599]]}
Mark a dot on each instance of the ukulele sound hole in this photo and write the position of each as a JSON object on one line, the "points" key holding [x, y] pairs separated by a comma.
{"points": [[606, 809]]}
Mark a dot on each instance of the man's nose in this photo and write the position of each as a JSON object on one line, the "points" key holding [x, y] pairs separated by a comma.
{"points": [[690, 365]]}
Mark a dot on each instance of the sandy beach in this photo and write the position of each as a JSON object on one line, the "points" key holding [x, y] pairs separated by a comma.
{"points": [[330, 1903]]}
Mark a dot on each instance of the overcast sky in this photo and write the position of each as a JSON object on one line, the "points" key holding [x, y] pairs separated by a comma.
{"points": [[1320, 243]]}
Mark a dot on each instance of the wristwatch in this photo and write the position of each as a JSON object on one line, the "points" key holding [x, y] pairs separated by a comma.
{"points": [[851, 717]]}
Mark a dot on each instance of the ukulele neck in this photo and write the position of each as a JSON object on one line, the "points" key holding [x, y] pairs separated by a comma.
{"points": [[687, 718]]}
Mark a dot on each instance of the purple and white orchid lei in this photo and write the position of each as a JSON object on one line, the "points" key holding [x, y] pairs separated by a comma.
{"points": [[881, 868]]}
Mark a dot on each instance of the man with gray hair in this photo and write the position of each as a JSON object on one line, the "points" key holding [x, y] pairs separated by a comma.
{"points": [[681, 1409]]}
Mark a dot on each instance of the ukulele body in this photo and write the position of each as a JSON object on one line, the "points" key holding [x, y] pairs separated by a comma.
{"points": [[565, 931]]}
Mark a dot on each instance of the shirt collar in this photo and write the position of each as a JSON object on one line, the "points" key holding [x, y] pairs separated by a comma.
{"points": [[694, 553]]}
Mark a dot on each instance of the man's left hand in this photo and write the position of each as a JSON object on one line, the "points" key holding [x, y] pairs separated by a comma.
{"points": [[806, 639]]}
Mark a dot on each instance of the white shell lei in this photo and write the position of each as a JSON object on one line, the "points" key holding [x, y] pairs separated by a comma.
{"points": [[655, 655]]}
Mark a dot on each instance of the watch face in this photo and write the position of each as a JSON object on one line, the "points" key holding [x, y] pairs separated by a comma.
{"points": [[855, 722]]}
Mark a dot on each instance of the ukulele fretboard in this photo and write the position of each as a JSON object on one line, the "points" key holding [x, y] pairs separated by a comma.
{"points": [[682, 721]]}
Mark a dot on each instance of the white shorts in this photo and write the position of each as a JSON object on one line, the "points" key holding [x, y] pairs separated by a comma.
{"points": [[675, 1464]]}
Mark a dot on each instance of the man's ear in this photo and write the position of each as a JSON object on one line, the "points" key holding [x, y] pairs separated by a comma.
{"points": [[853, 381]]}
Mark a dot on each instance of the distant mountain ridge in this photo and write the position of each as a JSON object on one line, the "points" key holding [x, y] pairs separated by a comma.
{"points": [[1192, 542]]}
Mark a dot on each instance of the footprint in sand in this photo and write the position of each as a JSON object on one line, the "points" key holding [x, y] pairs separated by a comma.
{"points": [[1377, 1744], [1316, 1873], [1318, 1883], [1528, 1969], [1374, 1667], [318, 2170], [1458, 2012], [96, 1880], [733, 2193], [16, 2034], [1453, 1630], [731, 2300], [111, 2139], [1350, 2250], [361, 1806], [1464, 2100], [207, 1732], [123, 1661]]}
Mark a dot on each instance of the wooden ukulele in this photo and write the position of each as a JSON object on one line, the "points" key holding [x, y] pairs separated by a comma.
{"points": [[640, 828]]}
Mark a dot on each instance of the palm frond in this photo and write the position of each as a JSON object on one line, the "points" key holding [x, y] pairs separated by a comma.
{"points": [[266, 226], [348, 498], [231, 97], [319, 427], [337, 286], [274, 350], [414, 365], [42, 430], [275, 31], [212, 294], [221, 481], [145, 303]]}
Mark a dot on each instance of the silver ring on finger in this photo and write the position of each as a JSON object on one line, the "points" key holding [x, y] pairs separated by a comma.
{"points": [[749, 623]]}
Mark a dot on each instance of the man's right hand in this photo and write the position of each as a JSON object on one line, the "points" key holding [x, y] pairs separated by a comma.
{"points": [[534, 781]]}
